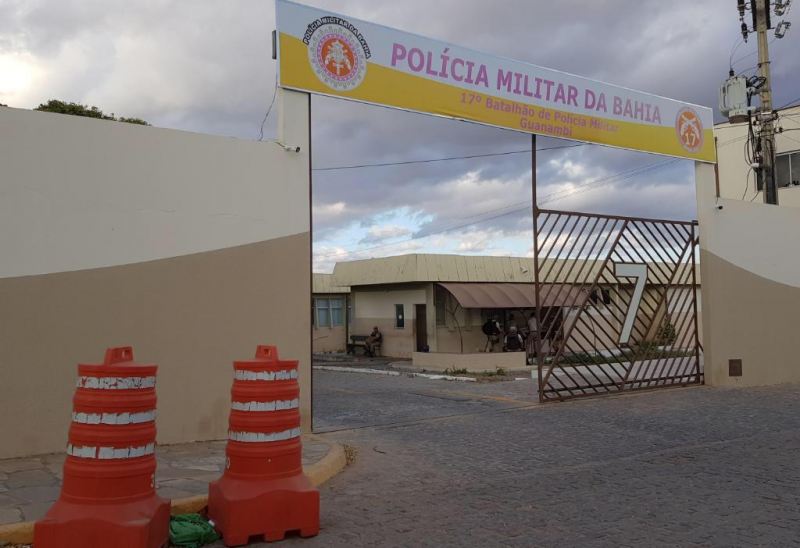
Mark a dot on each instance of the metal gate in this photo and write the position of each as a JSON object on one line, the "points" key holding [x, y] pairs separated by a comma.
{"points": [[617, 304]]}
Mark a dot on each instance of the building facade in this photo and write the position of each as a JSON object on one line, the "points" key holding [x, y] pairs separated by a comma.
{"points": [[330, 315], [439, 303], [737, 180]]}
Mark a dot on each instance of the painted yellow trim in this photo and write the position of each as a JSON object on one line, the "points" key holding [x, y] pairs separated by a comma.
{"points": [[390, 87]]}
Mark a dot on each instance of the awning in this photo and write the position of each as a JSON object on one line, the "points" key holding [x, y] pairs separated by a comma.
{"points": [[514, 295]]}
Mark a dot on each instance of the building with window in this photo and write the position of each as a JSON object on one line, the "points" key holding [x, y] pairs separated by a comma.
{"points": [[737, 180], [426, 303], [330, 312]]}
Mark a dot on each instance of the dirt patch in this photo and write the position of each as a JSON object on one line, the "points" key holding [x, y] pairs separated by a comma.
{"points": [[350, 454]]}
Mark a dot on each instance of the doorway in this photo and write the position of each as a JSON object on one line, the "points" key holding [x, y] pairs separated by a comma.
{"points": [[421, 323]]}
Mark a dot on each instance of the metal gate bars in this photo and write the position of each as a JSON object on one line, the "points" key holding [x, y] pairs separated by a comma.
{"points": [[617, 304]]}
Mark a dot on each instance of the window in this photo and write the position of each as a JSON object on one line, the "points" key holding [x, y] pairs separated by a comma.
{"points": [[328, 312], [336, 312], [321, 315], [787, 169], [399, 316], [601, 296]]}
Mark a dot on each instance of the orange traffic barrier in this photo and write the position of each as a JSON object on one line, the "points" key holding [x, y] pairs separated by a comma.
{"points": [[263, 490], [108, 495]]}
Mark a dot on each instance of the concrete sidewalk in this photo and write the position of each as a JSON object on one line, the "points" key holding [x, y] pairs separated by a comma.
{"points": [[28, 486]]}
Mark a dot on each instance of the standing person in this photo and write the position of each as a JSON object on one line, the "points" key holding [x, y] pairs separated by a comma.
{"points": [[512, 321], [373, 340], [513, 341], [533, 335], [492, 331]]}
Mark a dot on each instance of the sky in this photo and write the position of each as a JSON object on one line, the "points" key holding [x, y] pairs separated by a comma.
{"points": [[206, 66]]}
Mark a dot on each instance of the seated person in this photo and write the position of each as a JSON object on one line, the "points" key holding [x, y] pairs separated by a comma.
{"points": [[373, 340], [513, 340]]}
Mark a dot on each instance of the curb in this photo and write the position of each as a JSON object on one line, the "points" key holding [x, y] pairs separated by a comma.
{"points": [[321, 471], [328, 466], [356, 370], [17, 533], [435, 377]]}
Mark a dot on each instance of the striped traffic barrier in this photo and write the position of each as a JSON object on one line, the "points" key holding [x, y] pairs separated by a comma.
{"points": [[263, 490], [108, 491]]}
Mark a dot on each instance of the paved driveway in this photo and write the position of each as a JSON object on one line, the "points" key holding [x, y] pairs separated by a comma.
{"points": [[467, 464]]}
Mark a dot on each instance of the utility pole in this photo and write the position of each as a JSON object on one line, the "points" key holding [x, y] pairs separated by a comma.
{"points": [[761, 22]]}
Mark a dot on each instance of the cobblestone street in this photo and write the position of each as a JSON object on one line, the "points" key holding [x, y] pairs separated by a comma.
{"points": [[478, 464]]}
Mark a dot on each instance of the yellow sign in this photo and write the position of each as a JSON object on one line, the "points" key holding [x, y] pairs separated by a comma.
{"points": [[329, 54]]}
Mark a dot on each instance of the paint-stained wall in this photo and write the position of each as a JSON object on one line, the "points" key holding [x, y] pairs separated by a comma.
{"points": [[192, 248]]}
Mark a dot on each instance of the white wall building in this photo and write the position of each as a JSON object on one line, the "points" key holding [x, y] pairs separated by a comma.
{"points": [[737, 180]]}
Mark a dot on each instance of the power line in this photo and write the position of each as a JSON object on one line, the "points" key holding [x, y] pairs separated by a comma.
{"points": [[736, 46], [269, 109], [431, 160], [732, 140], [789, 104], [554, 196], [746, 55]]}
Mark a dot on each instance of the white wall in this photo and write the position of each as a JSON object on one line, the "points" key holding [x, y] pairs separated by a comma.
{"points": [[81, 193], [733, 169]]}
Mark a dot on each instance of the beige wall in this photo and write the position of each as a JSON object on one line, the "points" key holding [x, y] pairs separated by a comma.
{"points": [[376, 307], [751, 287], [329, 339], [733, 168], [474, 363], [191, 248]]}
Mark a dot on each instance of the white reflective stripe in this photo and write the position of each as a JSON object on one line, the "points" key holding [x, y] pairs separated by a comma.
{"points": [[107, 453], [278, 405], [82, 452], [260, 437], [282, 375], [114, 418], [116, 383]]}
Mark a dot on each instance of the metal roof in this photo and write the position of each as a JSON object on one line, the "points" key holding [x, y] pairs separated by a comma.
{"points": [[421, 268], [323, 283]]}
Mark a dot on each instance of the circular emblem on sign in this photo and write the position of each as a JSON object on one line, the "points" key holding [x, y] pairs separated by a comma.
{"points": [[337, 57], [689, 129]]}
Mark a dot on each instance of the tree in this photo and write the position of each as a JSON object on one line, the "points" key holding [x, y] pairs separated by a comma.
{"points": [[76, 109]]}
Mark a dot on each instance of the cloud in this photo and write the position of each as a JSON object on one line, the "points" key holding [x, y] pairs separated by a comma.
{"points": [[382, 233], [206, 66]]}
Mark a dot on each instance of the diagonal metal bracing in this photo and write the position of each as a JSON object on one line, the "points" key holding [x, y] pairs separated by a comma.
{"points": [[579, 348]]}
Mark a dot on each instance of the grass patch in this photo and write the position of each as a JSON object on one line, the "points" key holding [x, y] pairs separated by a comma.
{"points": [[643, 352], [498, 372]]}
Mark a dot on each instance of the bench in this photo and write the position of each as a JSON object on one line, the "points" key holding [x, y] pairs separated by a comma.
{"points": [[357, 341]]}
